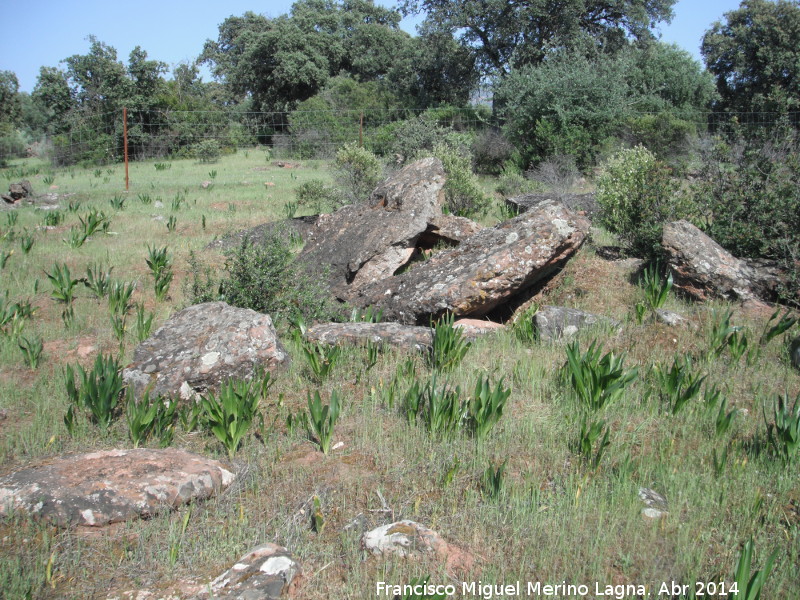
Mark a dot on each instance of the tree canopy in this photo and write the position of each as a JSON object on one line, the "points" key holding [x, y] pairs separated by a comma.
{"points": [[755, 56], [506, 35]]}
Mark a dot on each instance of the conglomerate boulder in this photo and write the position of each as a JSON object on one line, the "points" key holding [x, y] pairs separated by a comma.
{"points": [[203, 345]]}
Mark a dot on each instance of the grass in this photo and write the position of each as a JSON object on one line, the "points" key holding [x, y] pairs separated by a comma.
{"points": [[559, 516]]}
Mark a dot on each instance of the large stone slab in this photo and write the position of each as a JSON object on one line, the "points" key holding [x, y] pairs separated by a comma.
{"points": [[100, 488], [365, 242], [203, 345], [485, 271], [702, 269]]}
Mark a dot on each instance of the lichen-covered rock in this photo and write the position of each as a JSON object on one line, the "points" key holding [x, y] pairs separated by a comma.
{"points": [[553, 322], [703, 269], [265, 573], [105, 487], [369, 241], [203, 345], [485, 271]]}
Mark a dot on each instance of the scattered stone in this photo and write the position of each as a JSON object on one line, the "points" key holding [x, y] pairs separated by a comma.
{"points": [[409, 539], [702, 269], [485, 271], [18, 192], [203, 345], [265, 573], [282, 164], [473, 328], [794, 352], [369, 241], [554, 322], [206, 184], [578, 203], [655, 504], [101, 488], [3, 414], [673, 319]]}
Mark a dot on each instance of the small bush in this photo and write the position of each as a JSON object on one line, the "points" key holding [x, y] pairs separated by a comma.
{"points": [[358, 171], [490, 151], [748, 192], [207, 151], [558, 174], [264, 277], [99, 390], [463, 194], [636, 195], [317, 195]]}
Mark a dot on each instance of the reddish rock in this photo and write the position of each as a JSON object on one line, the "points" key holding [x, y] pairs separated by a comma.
{"points": [[100, 488], [203, 345], [485, 271]]}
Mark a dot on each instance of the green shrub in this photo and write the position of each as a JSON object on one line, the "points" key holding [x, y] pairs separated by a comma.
{"points": [[749, 193], [490, 152], [207, 151], [463, 194], [263, 277], [358, 171], [316, 194], [449, 345], [636, 195]]}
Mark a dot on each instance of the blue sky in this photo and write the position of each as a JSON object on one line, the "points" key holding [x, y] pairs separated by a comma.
{"points": [[43, 32]]}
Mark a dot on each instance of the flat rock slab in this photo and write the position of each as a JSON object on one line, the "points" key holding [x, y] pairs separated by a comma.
{"points": [[203, 345], [485, 271], [702, 269], [101, 488], [265, 573], [369, 241], [554, 322]]}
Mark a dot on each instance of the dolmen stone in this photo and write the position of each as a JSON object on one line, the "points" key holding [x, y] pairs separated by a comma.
{"points": [[369, 241], [485, 271], [702, 269], [201, 346], [101, 488], [265, 573], [554, 322]]}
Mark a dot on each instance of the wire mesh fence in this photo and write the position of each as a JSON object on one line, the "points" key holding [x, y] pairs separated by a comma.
{"points": [[156, 134]]}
